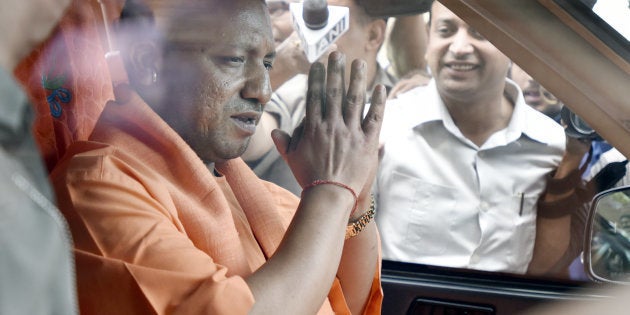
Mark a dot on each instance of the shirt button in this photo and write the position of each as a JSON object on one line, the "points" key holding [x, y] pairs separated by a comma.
{"points": [[483, 206]]}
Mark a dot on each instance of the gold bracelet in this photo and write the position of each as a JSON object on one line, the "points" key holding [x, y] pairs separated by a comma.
{"points": [[354, 228]]}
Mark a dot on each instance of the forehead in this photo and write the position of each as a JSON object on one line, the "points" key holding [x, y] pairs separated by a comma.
{"points": [[441, 13], [199, 21]]}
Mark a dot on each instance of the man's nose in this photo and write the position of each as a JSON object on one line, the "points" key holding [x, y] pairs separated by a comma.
{"points": [[461, 44], [257, 85]]}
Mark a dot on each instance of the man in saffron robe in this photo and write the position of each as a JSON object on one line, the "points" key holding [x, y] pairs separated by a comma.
{"points": [[166, 217]]}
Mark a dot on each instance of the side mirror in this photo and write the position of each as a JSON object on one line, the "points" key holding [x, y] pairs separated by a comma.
{"points": [[607, 238]]}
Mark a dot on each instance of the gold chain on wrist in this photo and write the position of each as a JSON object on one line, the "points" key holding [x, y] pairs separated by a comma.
{"points": [[354, 228]]}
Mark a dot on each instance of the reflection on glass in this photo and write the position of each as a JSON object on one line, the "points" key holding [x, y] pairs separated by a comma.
{"points": [[610, 244]]}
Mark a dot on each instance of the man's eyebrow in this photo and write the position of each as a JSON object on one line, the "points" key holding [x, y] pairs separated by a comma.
{"points": [[444, 20], [271, 55]]}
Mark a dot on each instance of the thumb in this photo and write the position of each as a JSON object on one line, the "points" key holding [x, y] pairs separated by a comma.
{"points": [[281, 139]]}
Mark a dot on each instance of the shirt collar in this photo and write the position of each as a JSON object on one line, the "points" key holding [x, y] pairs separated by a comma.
{"points": [[428, 105], [522, 122], [524, 118]]}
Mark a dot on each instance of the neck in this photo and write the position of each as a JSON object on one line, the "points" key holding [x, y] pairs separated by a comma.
{"points": [[479, 119]]}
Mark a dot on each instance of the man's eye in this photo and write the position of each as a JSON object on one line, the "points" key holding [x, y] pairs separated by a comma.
{"points": [[268, 65], [231, 61], [444, 31]]}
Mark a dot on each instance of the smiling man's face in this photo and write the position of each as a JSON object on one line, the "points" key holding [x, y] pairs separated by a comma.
{"points": [[462, 61]]}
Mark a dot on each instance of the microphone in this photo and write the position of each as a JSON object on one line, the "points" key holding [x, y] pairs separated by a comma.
{"points": [[318, 25]]}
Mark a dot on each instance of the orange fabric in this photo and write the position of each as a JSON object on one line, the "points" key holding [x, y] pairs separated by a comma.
{"points": [[67, 79], [156, 232]]}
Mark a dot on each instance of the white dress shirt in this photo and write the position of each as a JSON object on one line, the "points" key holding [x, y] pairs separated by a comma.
{"points": [[442, 200]]}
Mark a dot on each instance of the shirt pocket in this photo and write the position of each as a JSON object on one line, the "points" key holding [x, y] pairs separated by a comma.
{"points": [[522, 232], [427, 209]]}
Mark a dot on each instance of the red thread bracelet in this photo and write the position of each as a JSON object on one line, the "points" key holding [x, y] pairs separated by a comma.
{"points": [[322, 182]]}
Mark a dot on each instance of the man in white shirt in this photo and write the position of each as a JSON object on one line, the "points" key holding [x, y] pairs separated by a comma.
{"points": [[465, 159]]}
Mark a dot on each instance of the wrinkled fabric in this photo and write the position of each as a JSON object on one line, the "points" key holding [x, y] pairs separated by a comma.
{"points": [[67, 80], [156, 232]]}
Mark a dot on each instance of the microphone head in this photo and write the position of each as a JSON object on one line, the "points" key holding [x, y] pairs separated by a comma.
{"points": [[315, 14]]}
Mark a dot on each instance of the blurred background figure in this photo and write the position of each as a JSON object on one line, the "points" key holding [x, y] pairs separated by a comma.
{"points": [[624, 223], [405, 49], [290, 57], [281, 23], [535, 94], [36, 265], [406, 44]]}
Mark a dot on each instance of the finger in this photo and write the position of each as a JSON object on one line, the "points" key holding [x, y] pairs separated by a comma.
{"points": [[355, 99], [324, 57], [315, 94], [335, 85], [374, 118]]}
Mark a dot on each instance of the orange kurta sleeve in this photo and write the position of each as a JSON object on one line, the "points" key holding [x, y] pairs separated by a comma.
{"points": [[134, 254]]}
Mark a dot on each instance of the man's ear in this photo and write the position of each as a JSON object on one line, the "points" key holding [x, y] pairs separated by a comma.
{"points": [[376, 32], [143, 63]]}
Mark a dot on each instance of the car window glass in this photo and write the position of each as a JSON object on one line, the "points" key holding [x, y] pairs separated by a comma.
{"points": [[601, 149], [616, 13]]}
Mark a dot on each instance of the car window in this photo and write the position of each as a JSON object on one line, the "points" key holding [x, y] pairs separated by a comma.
{"points": [[612, 35], [606, 20], [615, 13]]}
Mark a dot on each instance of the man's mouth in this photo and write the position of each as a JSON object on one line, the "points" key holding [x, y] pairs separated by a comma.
{"points": [[532, 97], [247, 121], [461, 66], [531, 93]]}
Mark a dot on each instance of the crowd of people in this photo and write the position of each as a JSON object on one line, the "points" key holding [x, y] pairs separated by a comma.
{"points": [[231, 169]]}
